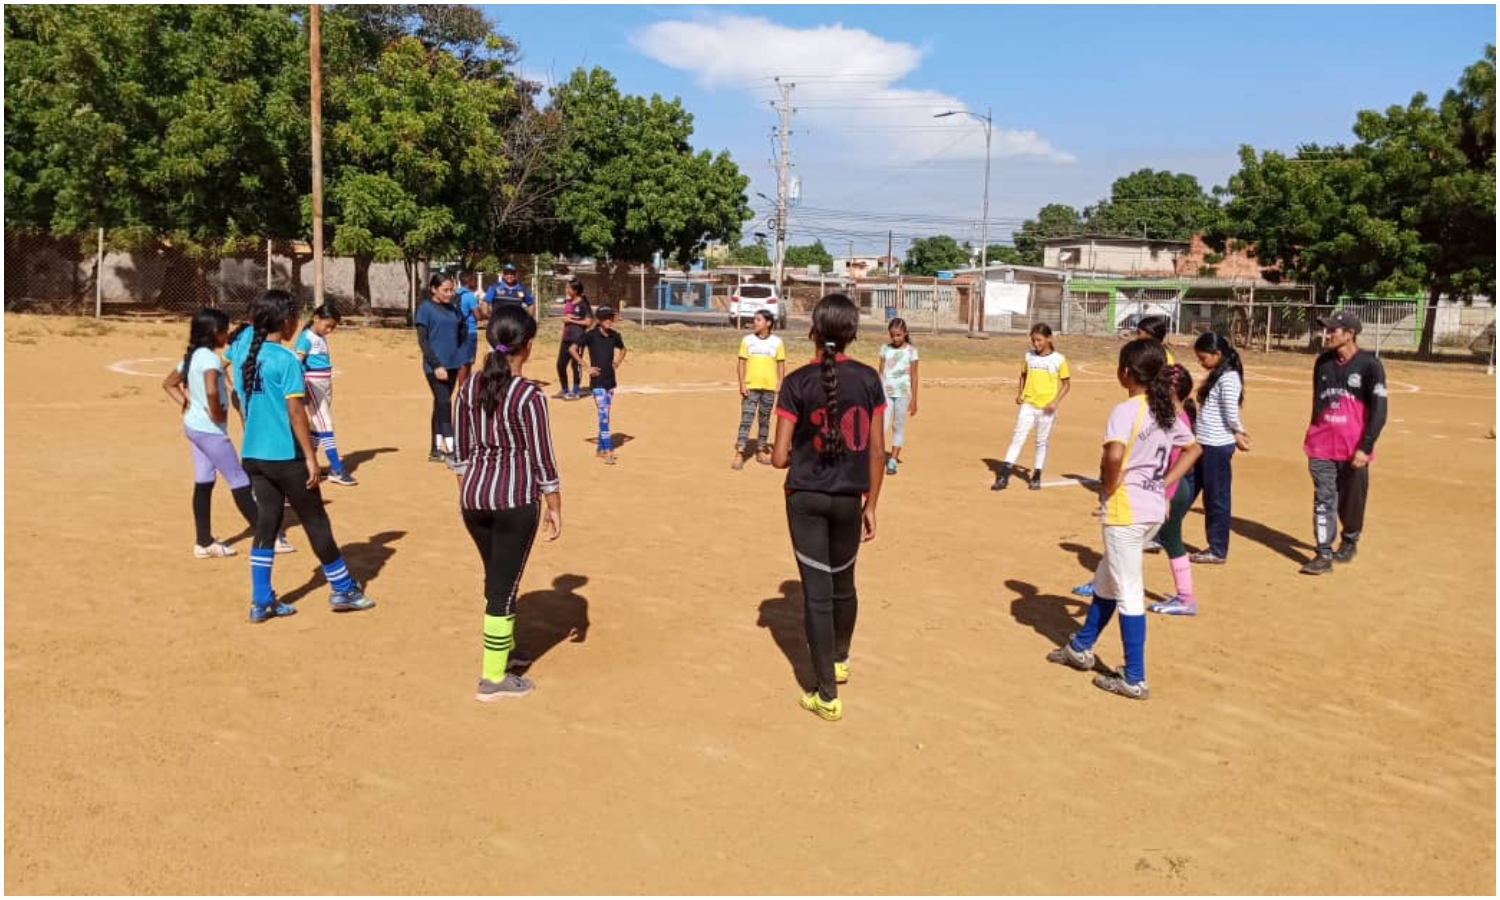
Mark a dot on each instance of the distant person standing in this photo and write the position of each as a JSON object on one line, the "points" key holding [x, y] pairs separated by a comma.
{"points": [[476, 314], [606, 353], [1348, 413], [440, 335], [510, 290], [578, 315]]}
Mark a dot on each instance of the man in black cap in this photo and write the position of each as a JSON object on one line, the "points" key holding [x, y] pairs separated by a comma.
{"points": [[510, 290], [1349, 409]]}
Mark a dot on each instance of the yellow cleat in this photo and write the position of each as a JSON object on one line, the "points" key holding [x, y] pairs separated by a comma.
{"points": [[827, 710], [841, 672]]}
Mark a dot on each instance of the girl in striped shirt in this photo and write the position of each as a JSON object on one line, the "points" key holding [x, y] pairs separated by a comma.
{"points": [[1220, 434], [507, 471]]}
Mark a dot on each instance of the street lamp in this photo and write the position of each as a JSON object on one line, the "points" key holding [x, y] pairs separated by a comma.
{"points": [[984, 229]]}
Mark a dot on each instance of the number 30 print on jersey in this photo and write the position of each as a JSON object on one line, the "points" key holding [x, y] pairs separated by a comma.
{"points": [[802, 403]]}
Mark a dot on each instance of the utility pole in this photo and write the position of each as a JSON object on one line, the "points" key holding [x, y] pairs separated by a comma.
{"points": [[890, 250], [783, 163], [315, 53]]}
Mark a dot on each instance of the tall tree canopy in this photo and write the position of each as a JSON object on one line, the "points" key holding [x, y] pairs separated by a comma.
{"points": [[931, 255], [1409, 207], [1163, 205]]}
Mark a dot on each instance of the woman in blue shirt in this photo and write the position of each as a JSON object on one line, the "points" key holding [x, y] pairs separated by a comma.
{"points": [[278, 457], [441, 334]]}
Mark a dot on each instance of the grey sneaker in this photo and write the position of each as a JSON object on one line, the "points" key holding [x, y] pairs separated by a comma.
{"points": [[512, 685], [1206, 558], [1345, 552], [351, 600], [1174, 606], [1318, 565], [1116, 684], [1082, 660]]}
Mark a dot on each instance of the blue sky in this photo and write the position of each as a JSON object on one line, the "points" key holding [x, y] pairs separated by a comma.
{"points": [[1080, 94]]}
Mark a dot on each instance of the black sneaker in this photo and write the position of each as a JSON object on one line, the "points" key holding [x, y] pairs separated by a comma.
{"points": [[1036, 482], [1001, 483], [436, 456], [1345, 552], [1318, 565]]}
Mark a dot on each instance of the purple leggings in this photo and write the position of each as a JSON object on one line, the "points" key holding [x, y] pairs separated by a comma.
{"points": [[215, 453]]}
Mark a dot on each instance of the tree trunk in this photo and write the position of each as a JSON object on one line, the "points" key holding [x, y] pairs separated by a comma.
{"points": [[362, 295], [1429, 323]]}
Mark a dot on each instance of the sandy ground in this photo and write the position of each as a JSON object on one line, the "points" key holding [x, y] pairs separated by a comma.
{"points": [[1332, 735]]}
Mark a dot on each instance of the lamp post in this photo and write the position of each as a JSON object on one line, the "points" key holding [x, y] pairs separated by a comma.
{"points": [[984, 228]]}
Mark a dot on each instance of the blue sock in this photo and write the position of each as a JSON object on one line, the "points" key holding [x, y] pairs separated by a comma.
{"points": [[1133, 633], [338, 576], [260, 575], [1100, 612], [334, 463]]}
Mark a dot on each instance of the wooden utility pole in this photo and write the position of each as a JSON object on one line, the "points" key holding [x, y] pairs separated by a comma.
{"points": [[315, 54], [783, 163]]}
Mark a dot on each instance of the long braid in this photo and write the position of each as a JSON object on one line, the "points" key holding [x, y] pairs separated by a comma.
{"points": [[268, 313], [833, 435]]}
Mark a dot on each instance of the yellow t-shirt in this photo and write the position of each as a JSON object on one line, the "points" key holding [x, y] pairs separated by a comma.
{"points": [[761, 356], [1044, 376]]}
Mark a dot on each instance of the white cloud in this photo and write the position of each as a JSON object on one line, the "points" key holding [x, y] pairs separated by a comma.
{"points": [[846, 87]]}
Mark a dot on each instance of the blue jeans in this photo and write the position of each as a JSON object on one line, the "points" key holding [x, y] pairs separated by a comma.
{"points": [[1213, 477], [603, 401]]}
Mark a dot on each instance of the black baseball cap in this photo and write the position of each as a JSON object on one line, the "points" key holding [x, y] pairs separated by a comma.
{"points": [[1342, 318], [508, 267], [604, 312]]}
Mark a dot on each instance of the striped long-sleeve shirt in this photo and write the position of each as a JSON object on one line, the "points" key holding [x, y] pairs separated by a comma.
{"points": [[506, 456], [1219, 414]]}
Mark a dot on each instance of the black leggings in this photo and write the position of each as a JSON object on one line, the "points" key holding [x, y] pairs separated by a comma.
{"points": [[825, 538], [442, 406], [286, 479], [565, 360], [504, 538]]}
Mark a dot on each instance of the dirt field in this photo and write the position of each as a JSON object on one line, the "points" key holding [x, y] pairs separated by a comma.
{"points": [[1332, 735]]}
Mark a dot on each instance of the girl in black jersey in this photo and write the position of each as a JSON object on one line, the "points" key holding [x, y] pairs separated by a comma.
{"points": [[830, 432]]}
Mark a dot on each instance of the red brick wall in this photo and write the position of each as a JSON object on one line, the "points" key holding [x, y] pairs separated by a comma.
{"points": [[1241, 264]]}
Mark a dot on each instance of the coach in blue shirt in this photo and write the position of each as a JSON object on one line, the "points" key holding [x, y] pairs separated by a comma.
{"points": [[510, 290]]}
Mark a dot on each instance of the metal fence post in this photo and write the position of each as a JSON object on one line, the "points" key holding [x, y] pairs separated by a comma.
{"points": [[99, 277], [268, 264]]}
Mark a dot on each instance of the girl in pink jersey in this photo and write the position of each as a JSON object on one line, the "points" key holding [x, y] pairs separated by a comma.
{"points": [[1134, 474]]}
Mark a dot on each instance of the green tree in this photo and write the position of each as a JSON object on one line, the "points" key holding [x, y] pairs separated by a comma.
{"points": [[409, 169], [160, 123], [1410, 207], [813, 254], [1052, 220], [634, 185], [930, 255], [1161, 205], [754, 254]]}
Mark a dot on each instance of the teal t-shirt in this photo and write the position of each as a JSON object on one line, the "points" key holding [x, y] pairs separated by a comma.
{"points": [[268, 428], [197, 418]]}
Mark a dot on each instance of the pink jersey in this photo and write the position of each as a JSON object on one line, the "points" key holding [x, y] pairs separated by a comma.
{"points": [[1142, 498]]}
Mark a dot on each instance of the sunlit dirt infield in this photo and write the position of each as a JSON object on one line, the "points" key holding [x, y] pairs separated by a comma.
{"points": [[1305, 735]]}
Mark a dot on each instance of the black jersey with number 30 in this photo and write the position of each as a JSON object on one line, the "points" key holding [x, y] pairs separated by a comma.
{"points": [[803, 403]]}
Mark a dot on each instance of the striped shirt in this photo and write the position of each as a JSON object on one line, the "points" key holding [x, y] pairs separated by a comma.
{"points": [[1219, 416], [505, 457]]}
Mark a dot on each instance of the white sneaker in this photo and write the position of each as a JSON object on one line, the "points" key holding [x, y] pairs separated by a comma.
{"points": [[216, 550], [284, 546]]}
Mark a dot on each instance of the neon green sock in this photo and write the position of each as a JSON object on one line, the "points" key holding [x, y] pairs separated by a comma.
{"points": [[499, 640]]}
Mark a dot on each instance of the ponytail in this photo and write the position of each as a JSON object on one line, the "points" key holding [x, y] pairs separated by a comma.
{"points": [[1229, 361], [510, 329], [269, 313], [1159, 399], [1182, 389], [1144, 360]]}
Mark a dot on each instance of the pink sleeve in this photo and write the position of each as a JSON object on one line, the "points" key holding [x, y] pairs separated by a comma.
{"points": [[1120, 424]]}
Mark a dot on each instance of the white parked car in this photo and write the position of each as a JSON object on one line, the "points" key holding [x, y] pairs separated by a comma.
{"points": [[750, 299]]}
